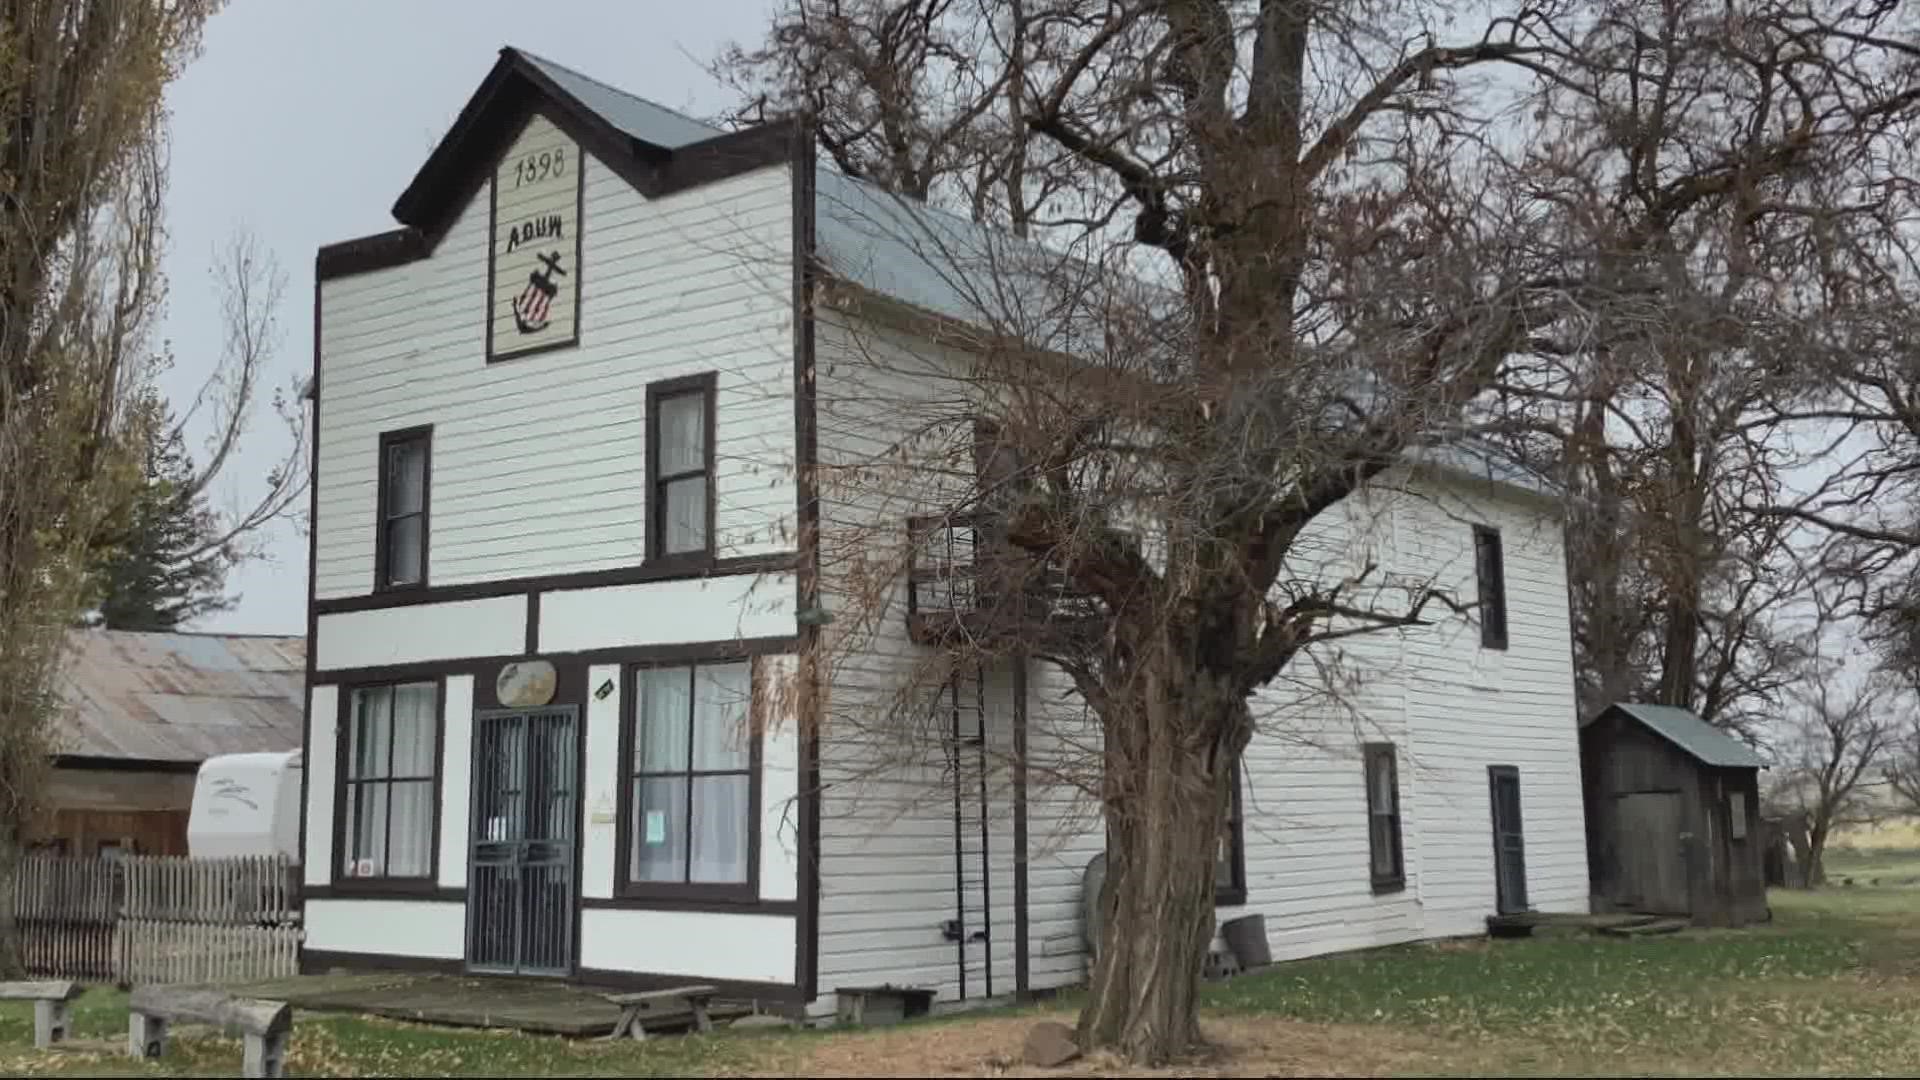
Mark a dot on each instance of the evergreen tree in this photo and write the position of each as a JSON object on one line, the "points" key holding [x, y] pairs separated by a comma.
{"points": [[168, 566]]}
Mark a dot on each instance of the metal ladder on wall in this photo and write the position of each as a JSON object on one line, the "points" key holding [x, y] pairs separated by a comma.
{"points": [[971, 928]]}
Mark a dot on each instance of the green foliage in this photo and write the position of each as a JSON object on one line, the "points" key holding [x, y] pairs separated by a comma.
{"points": [[169, 564]]}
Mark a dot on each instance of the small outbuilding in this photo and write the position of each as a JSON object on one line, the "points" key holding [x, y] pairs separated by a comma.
{"points": [[1673, 817]]}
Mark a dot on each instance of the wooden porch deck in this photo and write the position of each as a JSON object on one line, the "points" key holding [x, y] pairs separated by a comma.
{"points": [[540, 1006]]}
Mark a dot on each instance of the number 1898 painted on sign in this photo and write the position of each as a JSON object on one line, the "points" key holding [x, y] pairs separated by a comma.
{"points": [[541, 166]]}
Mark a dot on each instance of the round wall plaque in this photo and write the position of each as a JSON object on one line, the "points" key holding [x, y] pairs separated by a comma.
{"points": [[525, 684]]}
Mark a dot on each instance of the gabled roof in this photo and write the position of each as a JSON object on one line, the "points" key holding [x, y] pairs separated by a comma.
{"points": [[1704, 742], [636, 116], [169, 697]]}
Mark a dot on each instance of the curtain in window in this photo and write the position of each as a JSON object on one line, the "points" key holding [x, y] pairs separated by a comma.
{"points": [[682, 470], [691, 793], [391, 747]]}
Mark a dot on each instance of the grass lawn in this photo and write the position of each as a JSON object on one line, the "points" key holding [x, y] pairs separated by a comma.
{"points": [[1832, 986]]}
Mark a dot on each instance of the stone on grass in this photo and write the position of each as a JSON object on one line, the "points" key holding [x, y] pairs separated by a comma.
{"points": [[1050, 1045], [762, 1020]]}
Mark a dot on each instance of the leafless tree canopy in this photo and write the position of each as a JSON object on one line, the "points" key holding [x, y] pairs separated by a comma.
{"points": [[1284, 245], [1829, 761]]}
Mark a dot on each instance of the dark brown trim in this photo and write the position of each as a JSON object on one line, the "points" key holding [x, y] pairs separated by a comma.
{"points": [[492, 180], [370, 888], [313, 561], [382, 543], [395, 247], [1022, 926], [707, 385], [641, 574], [674, 653], [738, 989], [439, 894], [801, 150], [318, 961], [675, 894], [99, 763], [533, 622], [716, 907], [1370, 753], [1233, 891]]}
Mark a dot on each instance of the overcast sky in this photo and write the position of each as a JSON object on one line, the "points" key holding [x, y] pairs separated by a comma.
{"points": [[303, 120]]}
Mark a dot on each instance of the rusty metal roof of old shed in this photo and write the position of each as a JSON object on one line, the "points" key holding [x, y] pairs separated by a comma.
{"points": [[180, 697]]}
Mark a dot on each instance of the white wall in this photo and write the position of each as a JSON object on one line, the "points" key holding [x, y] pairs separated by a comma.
{"points": [[697, 944], [496, 626], [600, 839], [456, 780], [538, 463], [435, 929], [722, 607], [1451, 708], [323, 724]]}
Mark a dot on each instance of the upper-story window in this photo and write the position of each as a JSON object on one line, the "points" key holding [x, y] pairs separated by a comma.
{"points": [[1489, 564], [680, 468], [400, 549]]}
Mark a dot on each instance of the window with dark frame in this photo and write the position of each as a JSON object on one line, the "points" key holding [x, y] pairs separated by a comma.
{"points": [[680, 416], [692, 780], [1385, 859], [388, 780], [1489, 564], [1230, 865], [400, 555]]}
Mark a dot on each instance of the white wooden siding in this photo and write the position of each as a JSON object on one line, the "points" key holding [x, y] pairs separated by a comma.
{"points": [[456, 780], [323, 712], [723, 607], [538, 463], [435, 929], [419, 633], [1450, 707], [696, 944]]}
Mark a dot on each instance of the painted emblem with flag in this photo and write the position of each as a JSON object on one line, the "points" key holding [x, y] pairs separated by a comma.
{"points": [[534, 305]]}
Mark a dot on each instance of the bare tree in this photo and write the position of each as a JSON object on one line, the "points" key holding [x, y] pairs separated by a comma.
{"points": [[1828, 758], [83, 169], [1284, 248]]}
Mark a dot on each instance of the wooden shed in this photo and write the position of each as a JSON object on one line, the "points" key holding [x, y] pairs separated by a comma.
{"points": [[1673, 817]]}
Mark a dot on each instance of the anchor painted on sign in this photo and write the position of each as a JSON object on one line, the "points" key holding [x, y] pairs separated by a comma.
{"points": [[535, 302]]}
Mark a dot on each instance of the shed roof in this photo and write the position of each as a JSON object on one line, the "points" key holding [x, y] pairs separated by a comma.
{"points": [[1705, 743], [179, 697]]}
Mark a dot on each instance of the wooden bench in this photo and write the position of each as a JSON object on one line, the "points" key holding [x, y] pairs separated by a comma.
{"points": [[636, 1008], [52, 1019], [262, 1025]]}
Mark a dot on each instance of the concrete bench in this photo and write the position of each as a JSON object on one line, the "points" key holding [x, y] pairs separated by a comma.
{"points": [[52, 1020], [637, 1007], [263, 1026]]}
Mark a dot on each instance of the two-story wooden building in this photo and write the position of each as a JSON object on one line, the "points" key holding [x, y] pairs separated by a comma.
{"points": [[566, 558]]}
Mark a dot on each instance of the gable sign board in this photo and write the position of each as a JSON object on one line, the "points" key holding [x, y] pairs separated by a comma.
{"points": [[533, 265]]}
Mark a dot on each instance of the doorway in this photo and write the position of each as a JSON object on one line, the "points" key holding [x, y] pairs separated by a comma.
{"points": [[1509, 840], [520, 873], [1650, 846]]}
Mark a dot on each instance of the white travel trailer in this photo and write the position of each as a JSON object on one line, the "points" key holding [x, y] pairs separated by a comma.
{"points": [[246, 804]]}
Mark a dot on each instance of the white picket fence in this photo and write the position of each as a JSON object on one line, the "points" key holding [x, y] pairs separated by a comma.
{"points": [[151, 919]]}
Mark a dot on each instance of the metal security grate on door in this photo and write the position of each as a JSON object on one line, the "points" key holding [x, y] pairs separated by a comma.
{"points": [[520, 893]]}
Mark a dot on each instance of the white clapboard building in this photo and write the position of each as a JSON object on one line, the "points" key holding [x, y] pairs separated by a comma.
{"points": [[571, 417]]}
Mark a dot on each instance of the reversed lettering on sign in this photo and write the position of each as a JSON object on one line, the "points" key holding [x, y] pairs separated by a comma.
{"points": [[535, 244]]}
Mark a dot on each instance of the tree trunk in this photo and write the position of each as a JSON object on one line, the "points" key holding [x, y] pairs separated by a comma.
{"points": [[1817, 855], [13, 965], [1168, 784]]}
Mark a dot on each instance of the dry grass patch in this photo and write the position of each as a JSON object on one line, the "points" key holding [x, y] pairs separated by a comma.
{"points": [[1242, 1046]]}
